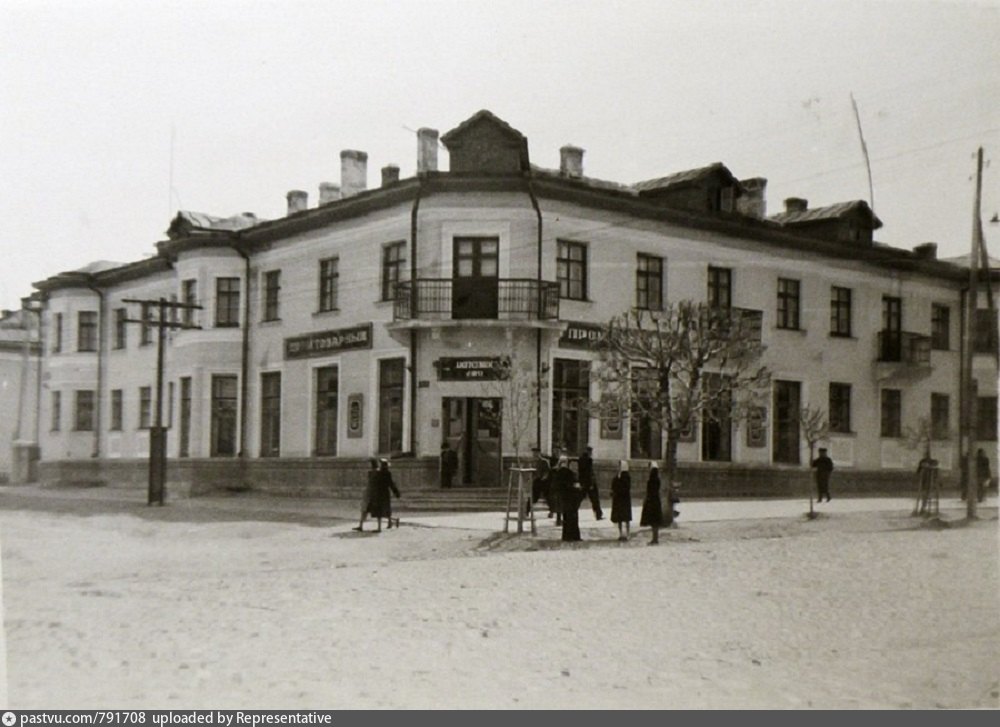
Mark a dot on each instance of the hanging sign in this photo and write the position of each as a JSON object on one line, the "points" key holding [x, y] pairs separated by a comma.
{"points": [[326, 342]]}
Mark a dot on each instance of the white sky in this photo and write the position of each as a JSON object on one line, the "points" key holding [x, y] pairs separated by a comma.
{"points": [[262, 96]]}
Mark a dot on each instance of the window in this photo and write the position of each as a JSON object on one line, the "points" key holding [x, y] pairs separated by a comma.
{"points": [[986, 418], [720, 287], [189, 296], [570, 394], [645, 438], [939, 416], [184, 442], [227, 302], [272, 287], [57, 334], [223, 442], [147, 325], [329, 274], [270, 414], [393, 262], [717, 424], [840, 311], [145, 407], [571, 270], [892, 406], [649, 283], [170, 404], [787, 442], [116, 410], [940, 327], [84, 411], [984, 337], [788, 304], [86, 331], [840, 408], [121, 328], [326, 411], [56, 410], [390, 405]]}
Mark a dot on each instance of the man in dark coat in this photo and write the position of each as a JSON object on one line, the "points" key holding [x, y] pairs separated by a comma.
{"points": [[449, 465], [570, 496], [585, 470], [381, 504], [540, 480], [823, 466]]}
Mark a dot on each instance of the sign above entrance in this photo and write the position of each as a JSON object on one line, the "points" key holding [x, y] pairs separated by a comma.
{"points": [[478, 368], [581, 335], [327, 342]]}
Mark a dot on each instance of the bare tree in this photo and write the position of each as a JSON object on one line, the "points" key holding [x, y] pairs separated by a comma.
{"points": [[687, 363], [815, 427]]}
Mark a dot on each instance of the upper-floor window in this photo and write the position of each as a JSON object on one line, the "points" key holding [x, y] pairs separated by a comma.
{"points": [[227, 302], [840, 311], [720, 287], [329, 276], [892, 413], [393, 263], [840, 408], [649, 282], [940, 327], [57, 333], [788, 303], [86, 331], [984, 337], [272, 288], [146, 330], [571, 270], [84, 411], [189, 296], [121, 327], [720, 199]]}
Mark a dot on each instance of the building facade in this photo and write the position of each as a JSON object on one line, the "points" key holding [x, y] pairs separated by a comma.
{"points": [[370, 325]]}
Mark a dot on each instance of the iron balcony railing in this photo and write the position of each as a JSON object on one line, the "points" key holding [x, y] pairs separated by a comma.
{"points": [[509, 299], [904, 347]]}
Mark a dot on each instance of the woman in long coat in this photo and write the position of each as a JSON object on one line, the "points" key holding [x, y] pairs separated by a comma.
{"points": [[569, 494], [652, 509], [381, 502], [621, 500], [369, 493]]}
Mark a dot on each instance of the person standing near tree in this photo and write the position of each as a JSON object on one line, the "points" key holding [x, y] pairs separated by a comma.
{"points": [[652, 508], [823, 466], [570, 495], [621, 500], [585, 470]]}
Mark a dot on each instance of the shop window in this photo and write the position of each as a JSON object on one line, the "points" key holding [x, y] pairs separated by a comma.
{"points": [[270, 414], [570, 396], [390, 405], [327, 389], [224, 408]]}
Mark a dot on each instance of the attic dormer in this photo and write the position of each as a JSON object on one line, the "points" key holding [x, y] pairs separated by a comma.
{"points": [[706, 189], [486, 144], [852, 223]]}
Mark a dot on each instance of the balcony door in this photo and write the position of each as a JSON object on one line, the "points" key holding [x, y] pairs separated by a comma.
{"points": [[892, 328], [475, 285]]}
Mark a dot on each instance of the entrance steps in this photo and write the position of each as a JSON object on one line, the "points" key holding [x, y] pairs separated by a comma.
{"points": [[455, 499]]}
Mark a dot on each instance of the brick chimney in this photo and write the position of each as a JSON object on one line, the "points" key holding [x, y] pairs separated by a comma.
{"points": [[390, 175], [926, 251], [328, 192], [297, 201], [571, 161], [427, 150], [796, 204], [753, 202], [353, 172]]}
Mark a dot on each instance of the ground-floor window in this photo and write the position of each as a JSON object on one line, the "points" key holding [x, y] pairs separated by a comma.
{"points": [[570, 396], [145, 406], [327, 385], [717, 427], [840, 408], [185, 433], [270, 414], [224, 393], [787, 405], [84, 411], [892, 413], [390, 405], [116, 410], [986, 418], [645, 435], [940, 404]]}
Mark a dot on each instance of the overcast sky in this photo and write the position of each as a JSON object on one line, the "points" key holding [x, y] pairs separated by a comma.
{"points": [[260, 97]]}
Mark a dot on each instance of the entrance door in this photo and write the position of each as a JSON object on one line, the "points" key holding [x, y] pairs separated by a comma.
{"points": [[472, 428], [475, 285], [787, 401]]}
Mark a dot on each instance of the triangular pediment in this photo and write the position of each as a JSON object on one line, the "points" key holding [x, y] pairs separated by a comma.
{"points": [[485, 143]]}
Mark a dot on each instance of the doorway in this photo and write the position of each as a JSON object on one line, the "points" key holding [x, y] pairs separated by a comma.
{"points": [[472, 427], [787, 403], [475, 284]]}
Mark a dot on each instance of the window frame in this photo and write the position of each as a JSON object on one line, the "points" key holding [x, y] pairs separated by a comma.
{"points": [[86, 332], [839, 400], [57, 339], [393, 268], [270, 414], [117, 410], [189, 296], [841, 309], [329, 284], [391, 429], [227, 302], [644, 275], [217, 410], [940, 416], [84, 410], [121, 329], [566, 263], [891, 413], [270, 308], [145, 407], [940, 327], [55, 413], [986, 418], [789, 309], [720, 280]]}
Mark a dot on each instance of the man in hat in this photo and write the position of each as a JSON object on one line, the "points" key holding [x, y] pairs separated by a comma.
{"points": [[823, 466]]}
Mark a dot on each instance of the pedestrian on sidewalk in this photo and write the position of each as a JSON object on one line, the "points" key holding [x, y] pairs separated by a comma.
{"points": [[652, 509], [570, 496], [541, 479], [983, 475], [621, 500], [823, 466], [449, 465], [368, 494], [553, 501], [381, 504], [585, 470]]}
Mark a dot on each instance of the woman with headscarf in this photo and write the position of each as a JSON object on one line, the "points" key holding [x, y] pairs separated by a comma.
{"points": [[652, 510], [369, 493], [381, 502], [570, 494], [621, 500]]}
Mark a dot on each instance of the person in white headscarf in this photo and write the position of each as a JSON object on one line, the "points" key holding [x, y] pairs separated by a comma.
{"points": [[621, 500]]}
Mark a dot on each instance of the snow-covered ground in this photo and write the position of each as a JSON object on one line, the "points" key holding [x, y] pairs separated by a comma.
{"points": [[747, 604]]}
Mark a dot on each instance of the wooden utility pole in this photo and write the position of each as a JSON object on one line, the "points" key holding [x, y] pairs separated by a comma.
{"points": [[969, 388], [158, 433]]}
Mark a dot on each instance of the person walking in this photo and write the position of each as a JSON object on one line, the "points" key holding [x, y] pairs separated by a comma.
{"points": [[570, 495], [368, 494], [823, 466], [449, 465], [541, 480], [983, 475], [621, 500], [585, 470], [652, 509], [381, 504]]}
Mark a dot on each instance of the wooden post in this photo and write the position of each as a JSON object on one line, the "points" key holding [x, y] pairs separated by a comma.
{"points": [[969, 389]]}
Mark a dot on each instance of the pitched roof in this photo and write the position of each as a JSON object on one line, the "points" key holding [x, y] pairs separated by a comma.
{"points": [[476, 118], [589, 181], [830, 212], [685, 177], [963, 261], [187, 222]]}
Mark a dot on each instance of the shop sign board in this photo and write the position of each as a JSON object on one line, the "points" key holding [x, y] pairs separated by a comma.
{"points": [[581, 335], [323, 343], [476, 368]]}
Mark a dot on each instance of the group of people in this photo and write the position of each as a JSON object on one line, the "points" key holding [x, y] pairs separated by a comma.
{"points": [[563, 491]]}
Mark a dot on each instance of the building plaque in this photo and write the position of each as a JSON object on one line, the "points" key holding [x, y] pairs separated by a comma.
{"points": [[581, 335], [476, 368], [324, 343]]}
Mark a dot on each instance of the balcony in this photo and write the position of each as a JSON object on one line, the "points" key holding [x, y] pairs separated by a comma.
{"points": [[901, 354], [436, 301]]}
